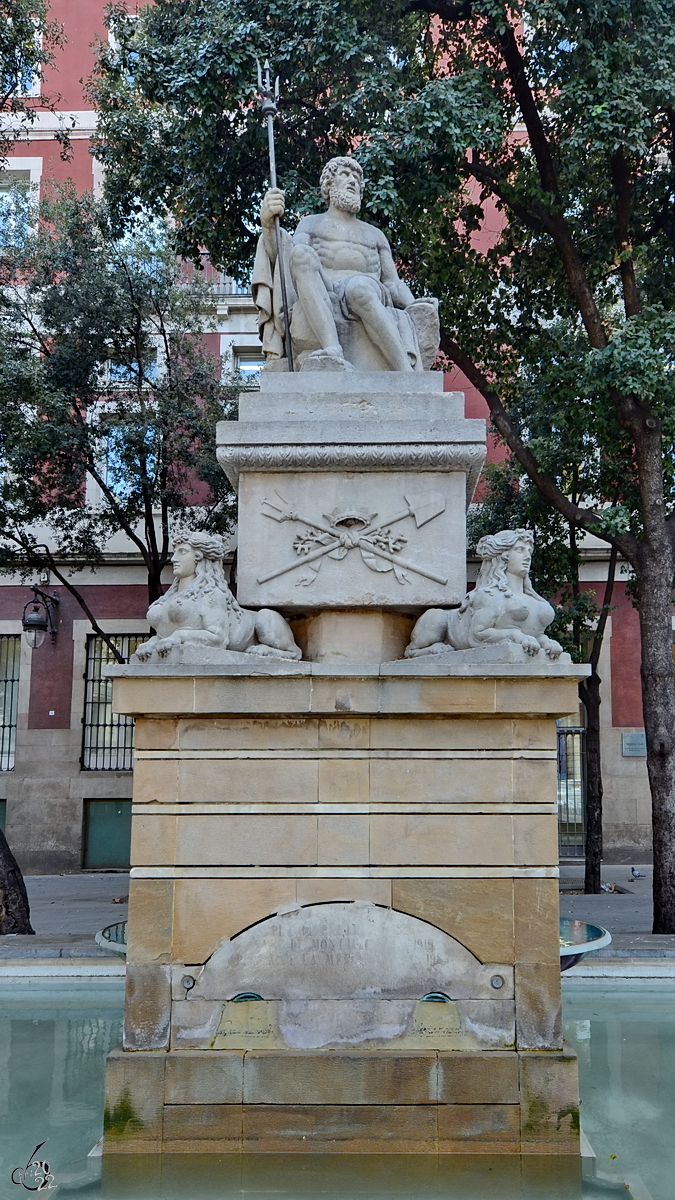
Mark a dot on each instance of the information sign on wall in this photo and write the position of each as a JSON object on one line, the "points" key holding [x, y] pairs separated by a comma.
{"points": [[634, 745]]}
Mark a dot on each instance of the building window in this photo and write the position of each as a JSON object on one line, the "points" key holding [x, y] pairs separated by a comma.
{"points": [[15, 212], [107, 834], [10, 657], [108, 739], [248, 363]]}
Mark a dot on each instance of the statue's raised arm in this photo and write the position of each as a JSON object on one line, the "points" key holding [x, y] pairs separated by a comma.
{"points": [[349, 308]]}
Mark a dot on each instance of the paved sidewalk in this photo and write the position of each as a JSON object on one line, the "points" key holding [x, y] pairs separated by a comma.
{"points": [[66, 911], [628, 917], [635, 952]]}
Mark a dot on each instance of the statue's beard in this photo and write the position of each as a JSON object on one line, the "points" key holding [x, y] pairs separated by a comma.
{"points": [[344, 201]]}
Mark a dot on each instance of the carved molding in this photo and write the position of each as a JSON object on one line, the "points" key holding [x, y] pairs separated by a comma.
{"points": [[430, 456]]}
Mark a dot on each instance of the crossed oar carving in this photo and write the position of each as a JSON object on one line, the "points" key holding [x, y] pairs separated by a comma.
{"points": [[422, 508]]}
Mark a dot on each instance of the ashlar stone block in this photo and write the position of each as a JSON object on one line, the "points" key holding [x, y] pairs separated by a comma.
{"points": [[341, 1128], [340, 1077], [248, 733], [536, 909], [488, 1078], [478, 914], [247, 840], [150, 921], [153, 839], [538, 1006], [208, 910], [202, 1128], [204, 1077], [134, 1096], [479, 1128], [430, 839], [549, 1091], [248, 780], [147, 1007]]}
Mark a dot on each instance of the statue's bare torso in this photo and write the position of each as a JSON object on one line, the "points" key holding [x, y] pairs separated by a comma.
{"points": [[356, 248]]}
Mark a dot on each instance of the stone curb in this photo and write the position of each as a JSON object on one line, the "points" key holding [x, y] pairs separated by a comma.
{"points": [[71, 946], [62, 968]]}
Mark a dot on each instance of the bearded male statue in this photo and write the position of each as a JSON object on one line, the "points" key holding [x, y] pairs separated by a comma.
{"points": [[349, 309]]}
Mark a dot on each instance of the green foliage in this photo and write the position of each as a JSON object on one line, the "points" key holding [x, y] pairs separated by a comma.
{"points": [[27, 41], [109, 402], [408, 91], [510, 501]]}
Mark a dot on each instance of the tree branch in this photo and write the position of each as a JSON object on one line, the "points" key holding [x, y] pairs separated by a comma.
{"points": [[483, 174], [43, 555], [599, 632], [438, 8], [623, 193], [109, 494], [558, 228], [573, 513]]}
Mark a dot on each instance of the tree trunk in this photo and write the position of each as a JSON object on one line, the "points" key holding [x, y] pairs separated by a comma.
{"points": [[589, 693], [14, 907], [658, 702], [155, 587]]}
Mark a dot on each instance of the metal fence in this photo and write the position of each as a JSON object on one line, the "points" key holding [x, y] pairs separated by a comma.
{"points": [[10, 658], [107, 739], [571, 791]]}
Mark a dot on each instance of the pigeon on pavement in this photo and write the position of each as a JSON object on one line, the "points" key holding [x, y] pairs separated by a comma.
{"points": [[637, 874]]}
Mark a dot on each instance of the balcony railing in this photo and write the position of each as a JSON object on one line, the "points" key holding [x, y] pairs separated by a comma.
{"points": [[218, 282]]}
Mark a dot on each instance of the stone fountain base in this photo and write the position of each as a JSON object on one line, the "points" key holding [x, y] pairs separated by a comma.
{"points": [[343, 915], [346, 1102]]}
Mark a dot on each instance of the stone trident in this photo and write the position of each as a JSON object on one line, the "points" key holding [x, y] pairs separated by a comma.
{"points": [[268, 102]]}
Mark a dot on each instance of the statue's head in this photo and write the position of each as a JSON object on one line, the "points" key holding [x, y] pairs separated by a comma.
{"points": [[342, 184], [199, 555], [507, 552]]}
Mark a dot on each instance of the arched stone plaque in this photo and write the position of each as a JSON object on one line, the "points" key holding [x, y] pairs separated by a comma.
{"points": [[341, 951]]}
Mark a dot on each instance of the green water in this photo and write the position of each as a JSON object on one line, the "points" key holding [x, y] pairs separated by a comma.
{"points": [[54, 1037]]}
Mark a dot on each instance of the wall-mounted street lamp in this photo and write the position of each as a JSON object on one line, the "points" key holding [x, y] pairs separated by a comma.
{"points": [[41, 617]]}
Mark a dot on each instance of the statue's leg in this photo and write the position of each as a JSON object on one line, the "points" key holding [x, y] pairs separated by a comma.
{"points": [[305, 268], [363, 301], [274, 636], [429, 635]]}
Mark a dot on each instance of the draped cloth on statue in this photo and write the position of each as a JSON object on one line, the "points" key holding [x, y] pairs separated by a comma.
{"points": [[266, 290]]}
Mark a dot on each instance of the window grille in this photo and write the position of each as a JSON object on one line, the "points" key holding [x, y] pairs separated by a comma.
{"points": [[10, 658], [108, 739], [571, 791]]}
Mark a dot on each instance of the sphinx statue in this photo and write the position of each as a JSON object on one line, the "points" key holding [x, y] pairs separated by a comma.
{"points": [[349, 309], [502, 610], [198, 618]]}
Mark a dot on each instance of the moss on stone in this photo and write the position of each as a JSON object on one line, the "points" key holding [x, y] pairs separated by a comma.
{"points": [[122, 1118]]}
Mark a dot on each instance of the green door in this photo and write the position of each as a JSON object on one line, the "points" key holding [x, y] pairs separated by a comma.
{"points": [[107, 833]]}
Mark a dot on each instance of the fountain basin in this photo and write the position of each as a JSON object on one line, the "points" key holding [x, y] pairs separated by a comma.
{"points": [[579, 938], [114, 938]]}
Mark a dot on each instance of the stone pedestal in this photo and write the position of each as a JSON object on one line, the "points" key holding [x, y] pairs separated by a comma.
{"points": [[343, 916], [385, 462], [343, 913]]}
